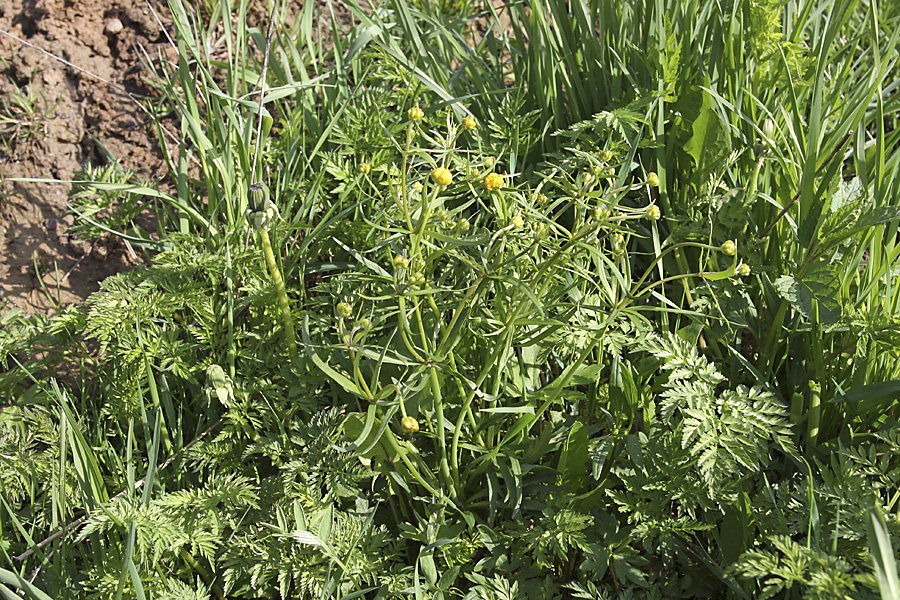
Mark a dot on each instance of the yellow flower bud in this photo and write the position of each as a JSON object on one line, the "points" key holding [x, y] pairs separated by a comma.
{"points": [[729, 248], [469, 123], [441, 176], [493, 181], [344, 309], [415, 113], [489, 161], [652, 179], [364, 168], [518, 222], [606, 155], [409, 424], [653, 212], [743, 269]]}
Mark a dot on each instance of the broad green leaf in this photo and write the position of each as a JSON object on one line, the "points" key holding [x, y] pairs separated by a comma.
{"points": [[574, 458], [710, 141], [820, 284]]}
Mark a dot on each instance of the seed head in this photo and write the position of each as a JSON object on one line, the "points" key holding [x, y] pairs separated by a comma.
{"points": [[401, 262], [493, 181], [415, 113], [743, 269], [344, 309], [442, 176], [729, 248], [469, 123]]}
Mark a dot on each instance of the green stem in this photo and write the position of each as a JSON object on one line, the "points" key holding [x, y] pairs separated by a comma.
{"points": [[283, 304], [815, 412], [206, 575], [442, 441]]}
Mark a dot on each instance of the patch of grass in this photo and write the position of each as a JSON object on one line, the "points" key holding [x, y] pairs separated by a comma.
{"points": [[23, 117]]}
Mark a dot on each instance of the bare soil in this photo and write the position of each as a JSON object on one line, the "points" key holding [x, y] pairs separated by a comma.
{"points": [[70, 117]]}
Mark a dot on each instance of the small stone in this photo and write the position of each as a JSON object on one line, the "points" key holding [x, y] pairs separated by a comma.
{"points": [[114, 26]]}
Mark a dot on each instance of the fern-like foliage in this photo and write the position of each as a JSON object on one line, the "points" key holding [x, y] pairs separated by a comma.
{"points": [[727, 432], [823, 575]]}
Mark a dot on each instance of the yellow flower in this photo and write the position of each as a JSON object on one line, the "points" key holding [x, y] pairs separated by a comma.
{"points": [[409, 424], [469, 123], [653, 212], [729, 248], [493, 181], [441, 176], [743, 269], [415, 113], [653, 179], [364, 168]]}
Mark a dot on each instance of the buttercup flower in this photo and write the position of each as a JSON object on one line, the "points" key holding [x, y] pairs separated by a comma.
{"points": [[441, 176], [409, 424], [653, 179], [653, 212], [344, 309], [729, 248], [364, 168], [415, 113], [469, 123], [743, 269], [493, 181]]}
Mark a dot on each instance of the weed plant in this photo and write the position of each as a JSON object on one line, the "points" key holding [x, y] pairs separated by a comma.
{"points": [[599, 303]]}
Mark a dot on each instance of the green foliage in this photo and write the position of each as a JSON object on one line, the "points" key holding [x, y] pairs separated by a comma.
{"points": [[534, 341]]}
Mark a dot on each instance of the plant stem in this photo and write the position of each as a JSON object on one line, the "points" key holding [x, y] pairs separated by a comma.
{"points": [[283, 304]]}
